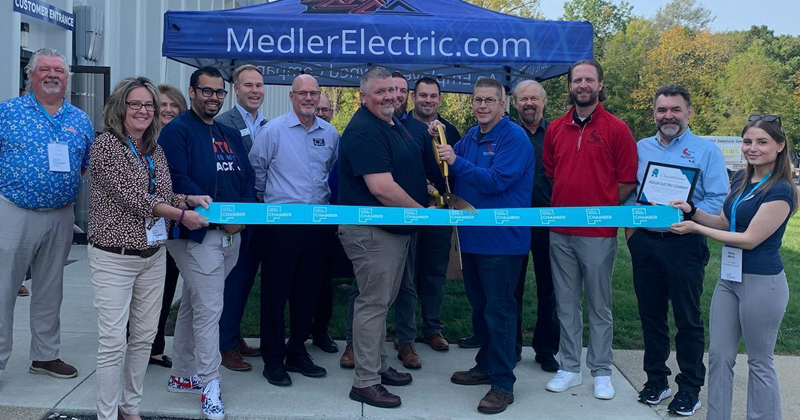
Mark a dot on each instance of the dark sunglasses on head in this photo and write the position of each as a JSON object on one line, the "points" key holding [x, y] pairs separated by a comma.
{"points": [[767, 118]]}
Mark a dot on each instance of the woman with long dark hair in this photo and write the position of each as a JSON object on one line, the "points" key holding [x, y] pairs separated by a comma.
{"points": [[751, 295]]}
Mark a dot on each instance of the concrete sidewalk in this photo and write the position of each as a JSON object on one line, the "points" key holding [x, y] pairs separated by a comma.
{"points": [[247, 395]]}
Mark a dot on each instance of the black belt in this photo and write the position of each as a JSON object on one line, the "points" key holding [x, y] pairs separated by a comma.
{"points": [[144, 253], [660, 235]]}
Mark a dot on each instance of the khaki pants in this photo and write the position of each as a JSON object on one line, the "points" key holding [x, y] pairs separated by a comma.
{"points": [[41, 241], [204, 267], [379, 259], [127, 293]]}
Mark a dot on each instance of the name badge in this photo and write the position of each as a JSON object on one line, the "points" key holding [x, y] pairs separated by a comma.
{"points": [[319, 142], [731, 267], [58, 156], [227, 240], [244, 132], [157, 233]]}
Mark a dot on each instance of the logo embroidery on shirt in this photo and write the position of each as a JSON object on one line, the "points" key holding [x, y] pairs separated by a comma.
{"points": [[594, 138], [319, 142], [489, 149], [71, 130], [687, 154]]}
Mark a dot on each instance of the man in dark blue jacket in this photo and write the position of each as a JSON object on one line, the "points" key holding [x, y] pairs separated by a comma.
{"points": [[205, 158], [493, 165]]}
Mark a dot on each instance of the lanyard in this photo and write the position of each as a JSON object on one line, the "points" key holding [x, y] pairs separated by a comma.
{"points": [[56, 122], [740, 199], [151, 169]]}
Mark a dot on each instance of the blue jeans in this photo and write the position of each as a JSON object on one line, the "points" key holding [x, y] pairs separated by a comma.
{"points": [[490, 281]]}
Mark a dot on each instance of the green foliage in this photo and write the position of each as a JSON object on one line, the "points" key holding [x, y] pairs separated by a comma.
{"points": [[607, 18], [522, 8], [686, 13]]}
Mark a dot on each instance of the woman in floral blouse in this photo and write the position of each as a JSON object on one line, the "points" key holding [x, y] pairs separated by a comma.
{"points": [[131, 197]]}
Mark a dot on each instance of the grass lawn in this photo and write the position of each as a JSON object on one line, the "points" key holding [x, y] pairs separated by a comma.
{"points": [[627, 328]]}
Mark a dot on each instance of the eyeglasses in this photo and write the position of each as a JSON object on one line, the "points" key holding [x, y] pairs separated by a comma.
{"points": [[136, 105], [487, 101], [767, 118], [207, 92], [324, 110], [303, 93]]}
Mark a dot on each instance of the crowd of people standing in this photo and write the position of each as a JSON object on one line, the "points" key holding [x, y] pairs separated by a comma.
{"points": [[157, 160]]}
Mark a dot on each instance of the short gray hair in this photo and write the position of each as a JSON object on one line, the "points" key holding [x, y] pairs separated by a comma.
{"points": [[47, 52], [373, 73], [524, 84]]}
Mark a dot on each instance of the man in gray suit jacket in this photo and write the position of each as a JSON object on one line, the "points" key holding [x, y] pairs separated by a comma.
{"points": [[248, 83]]}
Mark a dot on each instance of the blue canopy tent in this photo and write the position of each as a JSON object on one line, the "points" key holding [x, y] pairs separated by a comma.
{"points": [[338, 40]]}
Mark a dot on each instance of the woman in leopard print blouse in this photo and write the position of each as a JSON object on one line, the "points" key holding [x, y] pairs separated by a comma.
{"points": [[130, 199]]}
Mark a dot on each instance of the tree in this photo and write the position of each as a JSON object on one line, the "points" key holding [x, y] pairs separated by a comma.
{"points": [[686, 13], [523, 8], [606, 18]]}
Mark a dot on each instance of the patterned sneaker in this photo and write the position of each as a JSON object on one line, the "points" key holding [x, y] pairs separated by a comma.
{"points": [[211, 401], [191, 384]]}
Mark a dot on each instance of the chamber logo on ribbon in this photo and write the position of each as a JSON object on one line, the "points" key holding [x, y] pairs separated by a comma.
{"points": [[320, 214], [502, 216], [366, 216], [458, 216], [228, 212], [412, 215], [549, 216], [640, 216], [593, 216], [275, 213]]}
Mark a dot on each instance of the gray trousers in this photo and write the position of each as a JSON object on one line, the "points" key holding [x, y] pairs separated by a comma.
{"points": [[41, 241], [405, 304], [753, 310], [379, 259], [204, 268], [578, 262]]}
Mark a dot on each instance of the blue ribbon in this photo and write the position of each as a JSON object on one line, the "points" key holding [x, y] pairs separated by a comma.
{"points": [[312, 214]]}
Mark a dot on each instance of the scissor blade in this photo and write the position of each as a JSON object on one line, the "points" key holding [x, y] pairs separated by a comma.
{"points": [[458, 203]]}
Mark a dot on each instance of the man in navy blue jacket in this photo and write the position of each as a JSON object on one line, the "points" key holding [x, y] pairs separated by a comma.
{"points": [[205, 158], [493, 167]]}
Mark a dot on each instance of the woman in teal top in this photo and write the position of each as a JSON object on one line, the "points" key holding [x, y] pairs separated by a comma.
{"points": [[751, 295]]}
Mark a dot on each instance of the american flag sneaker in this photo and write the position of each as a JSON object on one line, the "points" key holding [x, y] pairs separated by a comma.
{"points": [[190, 384]]}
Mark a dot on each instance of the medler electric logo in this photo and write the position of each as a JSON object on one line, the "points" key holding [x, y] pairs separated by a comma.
{"points": [[360, 7]]}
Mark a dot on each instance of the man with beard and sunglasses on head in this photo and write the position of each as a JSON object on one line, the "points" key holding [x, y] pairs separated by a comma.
{"points": [[292, 158], [205, 158], [668, 266], [44, 150], [591, 157]]}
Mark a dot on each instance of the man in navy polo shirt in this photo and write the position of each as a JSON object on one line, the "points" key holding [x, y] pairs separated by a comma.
{"points": [[493, 165], [670, 267], [44, 149]]}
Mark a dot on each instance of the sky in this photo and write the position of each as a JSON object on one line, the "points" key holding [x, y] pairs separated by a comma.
{"points": [[779, 15]]}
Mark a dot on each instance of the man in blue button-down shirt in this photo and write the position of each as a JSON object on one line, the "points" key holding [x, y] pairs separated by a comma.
{"points": [[44, 149], [670, 267]]}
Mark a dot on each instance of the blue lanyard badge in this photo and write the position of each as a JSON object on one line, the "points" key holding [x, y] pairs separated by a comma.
{"points": [[151, 169], [56, 122], [743, 197]]}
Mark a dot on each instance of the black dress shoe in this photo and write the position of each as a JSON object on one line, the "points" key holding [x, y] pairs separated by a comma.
{"points": [[375, 395], [519, 357], [470, 342], [305, 366], [394, 378], [548, 362], [165, 361], [325, 343], [276, 375]]}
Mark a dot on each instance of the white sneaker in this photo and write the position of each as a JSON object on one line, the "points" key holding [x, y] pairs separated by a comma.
{"points": [[211, 401], [602, 388], [564, 380]]}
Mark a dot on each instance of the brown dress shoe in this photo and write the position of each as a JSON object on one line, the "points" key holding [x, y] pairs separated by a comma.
{"points": [[234, 361], [437, 342], [247, 351], [394, 378], [375, 395], [471, 377], [348, 360], [495, 402], [23, 291], [55, 368], [409, 356]]}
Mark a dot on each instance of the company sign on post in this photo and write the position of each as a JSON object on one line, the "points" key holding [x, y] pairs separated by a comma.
{"points": [[46, 12]]}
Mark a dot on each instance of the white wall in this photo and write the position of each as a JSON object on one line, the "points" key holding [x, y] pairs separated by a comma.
{"points": [[133, 32]]}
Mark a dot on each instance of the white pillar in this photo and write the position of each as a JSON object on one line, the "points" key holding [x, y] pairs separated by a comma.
{"points": [[9, 50]]}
